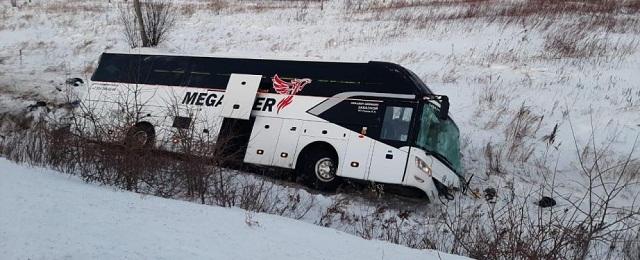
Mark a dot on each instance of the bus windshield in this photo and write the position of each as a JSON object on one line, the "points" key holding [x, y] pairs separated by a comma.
{"points": [[440, 138]]}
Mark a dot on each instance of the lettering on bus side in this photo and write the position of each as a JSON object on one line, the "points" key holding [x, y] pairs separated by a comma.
{"points": [[264, 104], [212, 100], [200, 99]]}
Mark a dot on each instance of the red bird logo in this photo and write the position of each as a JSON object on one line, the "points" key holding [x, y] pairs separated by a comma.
{"points": [[288, 88]]}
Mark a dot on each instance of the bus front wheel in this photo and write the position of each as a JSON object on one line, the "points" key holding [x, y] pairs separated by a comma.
{"points": [[318, 170]]}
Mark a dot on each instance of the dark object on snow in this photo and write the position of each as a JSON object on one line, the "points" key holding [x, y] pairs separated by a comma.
{"points": [[546, 202], [551, 138], [75, 103], [76, 82], [70, 105], [37, 105], [490, 194]]}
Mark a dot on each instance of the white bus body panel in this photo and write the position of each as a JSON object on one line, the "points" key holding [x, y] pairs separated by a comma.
{"points": [[357, 156], [263, 140], [287, 143], [240, 95]]}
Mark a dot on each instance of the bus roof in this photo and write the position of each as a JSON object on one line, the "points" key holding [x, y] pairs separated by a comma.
{"points": [[153, 51], [328, 78]]}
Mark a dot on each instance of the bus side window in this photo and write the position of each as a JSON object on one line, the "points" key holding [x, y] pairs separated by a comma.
{"points": [[169, 71], [395, 125]]}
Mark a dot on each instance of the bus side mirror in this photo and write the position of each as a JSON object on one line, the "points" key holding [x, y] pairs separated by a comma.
{"points": [[444, 108]]}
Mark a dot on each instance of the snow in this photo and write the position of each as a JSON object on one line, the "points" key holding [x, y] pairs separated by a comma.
{"points": [[48, 215], [487, 68]]}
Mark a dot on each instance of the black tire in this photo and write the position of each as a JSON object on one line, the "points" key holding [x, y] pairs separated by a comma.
{"points": [[140, 136], [318, 168]]}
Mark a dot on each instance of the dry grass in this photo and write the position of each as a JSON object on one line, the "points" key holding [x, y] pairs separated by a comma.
{"points": [[493, 9], [580, 37], [210, 6], [523, 126], [198, 177], [74, 6], [571, 43], [485, 230]]}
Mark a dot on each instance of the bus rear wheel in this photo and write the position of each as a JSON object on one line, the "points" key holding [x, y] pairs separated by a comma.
{"points": [[318, 170], [140, 136]]}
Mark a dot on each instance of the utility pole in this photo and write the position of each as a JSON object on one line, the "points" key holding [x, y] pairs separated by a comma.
{"points": [[143, 33]]}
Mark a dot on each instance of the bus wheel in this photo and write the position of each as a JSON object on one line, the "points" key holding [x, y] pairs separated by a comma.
{"points": [[318, 171], [141, 135]]}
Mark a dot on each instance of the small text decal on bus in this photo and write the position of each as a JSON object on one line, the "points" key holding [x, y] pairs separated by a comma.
{"points": [[287, 88]]}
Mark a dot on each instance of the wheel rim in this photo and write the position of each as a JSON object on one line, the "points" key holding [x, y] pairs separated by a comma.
{"points": [[324, 170], [139, 138]]}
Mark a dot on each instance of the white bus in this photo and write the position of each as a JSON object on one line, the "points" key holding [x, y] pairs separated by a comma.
{"points": [[373, 121]]}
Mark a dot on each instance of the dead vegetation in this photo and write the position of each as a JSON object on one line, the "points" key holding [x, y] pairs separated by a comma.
{"points": [[572, 29], [158, 20], [473, 9], [73, 6], [587, 223], [196, 172], [483, 231]]}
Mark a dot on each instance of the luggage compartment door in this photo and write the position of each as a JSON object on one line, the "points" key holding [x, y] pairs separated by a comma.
{"points": [[240, 95], [357, 157], [263, 140], [287, 143]]}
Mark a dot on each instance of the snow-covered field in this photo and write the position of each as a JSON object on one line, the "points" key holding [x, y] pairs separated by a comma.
{"points": [[534, 92], [48, 215]]}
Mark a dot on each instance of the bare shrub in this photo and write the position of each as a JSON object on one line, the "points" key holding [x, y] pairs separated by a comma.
{"points": [[384, 222], [192, 165], [158, 19], [631, 246], [587, 223], [338, 208], [27, 144], [512, 229]]}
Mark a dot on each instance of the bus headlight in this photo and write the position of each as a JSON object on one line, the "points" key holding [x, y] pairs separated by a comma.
{"points": [[423, 166]]}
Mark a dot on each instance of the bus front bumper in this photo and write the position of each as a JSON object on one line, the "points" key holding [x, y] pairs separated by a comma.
{"points": [[423, 171]]}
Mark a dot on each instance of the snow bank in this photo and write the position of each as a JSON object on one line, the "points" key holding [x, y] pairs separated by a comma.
{"points": [[47, 215]]}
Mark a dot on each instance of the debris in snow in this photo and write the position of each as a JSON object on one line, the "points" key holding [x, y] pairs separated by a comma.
{"points": [[76, 82], [546, 202], [551, 138], [490, 194], [37, 105]]}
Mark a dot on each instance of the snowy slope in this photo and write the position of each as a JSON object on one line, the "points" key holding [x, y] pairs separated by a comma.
{"points": [[490, 68], [48, 215]]}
